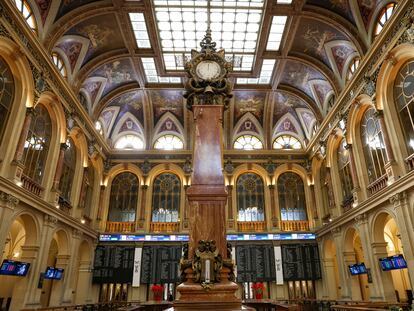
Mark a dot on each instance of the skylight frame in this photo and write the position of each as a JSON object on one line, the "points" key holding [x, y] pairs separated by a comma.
{"points": [[265, 76], [140, 30], [151, 73], [182, 25], [277, 30]]}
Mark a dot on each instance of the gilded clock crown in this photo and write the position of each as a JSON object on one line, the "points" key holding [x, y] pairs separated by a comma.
{"points": [[207, 43]]}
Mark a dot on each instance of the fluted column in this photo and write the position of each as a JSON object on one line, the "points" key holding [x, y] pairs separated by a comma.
{"points": [[274, 209], [23, 135], [7, 205], [17, 166], [230, 219], [344, 287], [390, 166], [354, 175], [141, 221]]}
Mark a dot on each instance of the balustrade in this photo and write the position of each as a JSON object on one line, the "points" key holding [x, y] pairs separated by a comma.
{"points": [[410, 162], [164, 226], [120, 226], [378, 184], [30, 185], [294, 225], [251, 226]]}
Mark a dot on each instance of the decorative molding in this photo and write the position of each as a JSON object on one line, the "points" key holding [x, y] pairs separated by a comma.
{"points": [[336, 232], [8, 200], [77, 234], [361, 219]]}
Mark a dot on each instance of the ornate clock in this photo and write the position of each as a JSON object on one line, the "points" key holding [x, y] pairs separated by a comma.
{"points": [[207, 76]]}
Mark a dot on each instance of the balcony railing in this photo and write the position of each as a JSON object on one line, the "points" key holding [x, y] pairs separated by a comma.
{"points": [[30, 185], [120, 226], [378, 184], [164, 226], [251, 226], [294, 225], [410, 162]]}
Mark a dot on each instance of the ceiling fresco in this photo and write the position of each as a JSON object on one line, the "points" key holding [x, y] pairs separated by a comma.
{"points": [[103, 33], [97, 40], [249, 101], [164, 101], [340, 7]]}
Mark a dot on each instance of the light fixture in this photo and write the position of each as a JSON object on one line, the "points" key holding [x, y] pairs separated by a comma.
{"points": [[57, 206], [19, 183], [82, 221]]}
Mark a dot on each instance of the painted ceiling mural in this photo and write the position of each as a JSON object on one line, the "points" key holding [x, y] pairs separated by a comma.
{"points": [[340, 7], [249, 101], [94, 30], [103, 33], [164, 101], [325, 43], [115, 73]]}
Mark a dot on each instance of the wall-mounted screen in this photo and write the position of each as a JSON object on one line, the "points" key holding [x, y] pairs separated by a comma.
{"points": [[17, 268], [393, 263], [358, 268], [53, 273]]}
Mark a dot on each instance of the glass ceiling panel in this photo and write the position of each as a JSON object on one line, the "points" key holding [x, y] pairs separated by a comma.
{"points": [[140, 29], [152, 74], [265, 74], [235, 27], [276, 33]]}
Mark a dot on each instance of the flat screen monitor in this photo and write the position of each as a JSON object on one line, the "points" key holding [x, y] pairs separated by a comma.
{"points": [[358, 268], [53, 273], [16, 268], [393, 263]]}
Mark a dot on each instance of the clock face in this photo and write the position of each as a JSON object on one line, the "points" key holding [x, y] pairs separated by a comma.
{"points": [[208, 70]]}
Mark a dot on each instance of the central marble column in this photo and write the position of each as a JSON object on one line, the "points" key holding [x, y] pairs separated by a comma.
{"points": [[207, 199]]}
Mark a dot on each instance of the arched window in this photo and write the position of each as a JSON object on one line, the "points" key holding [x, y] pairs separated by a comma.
{"points": [[373, 145], [344, 168], [6, 94], [248, 142], [166, 198], [129, 142], [286, 142], [27, 13], [124, 198], [292, 201], [85, 198], [250, 197], [169, 142], [383, 17], [404, 97], [352, 67], [68, 170], [37, 143], [60, 65]]}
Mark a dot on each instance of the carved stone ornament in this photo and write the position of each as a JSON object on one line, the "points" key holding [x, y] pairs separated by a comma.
{"points": [[207, 72], [369, 86], [50, 220], [187, 166], [270, 167], [8, 200], [229, 167], [146, 167], [336, 232], [206, 264], [361, 219], [398, 199], [77, 233], [410, 33]]}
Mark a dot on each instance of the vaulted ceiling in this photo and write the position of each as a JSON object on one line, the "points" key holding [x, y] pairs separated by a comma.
{"points": [[117, 54]]}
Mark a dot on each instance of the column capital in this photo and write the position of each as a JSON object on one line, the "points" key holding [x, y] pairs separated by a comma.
{"points": [[336, 232], [271, 187], [77, 234], [379, 114], [144, 187], [398, 199], [361, 219], [8, 200], [50, 220]]}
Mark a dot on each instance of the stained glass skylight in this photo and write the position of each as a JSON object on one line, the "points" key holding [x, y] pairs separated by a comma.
{"points": [[152, 74], [235, 27], [276, 33], [140, 29], [265, 74]]}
